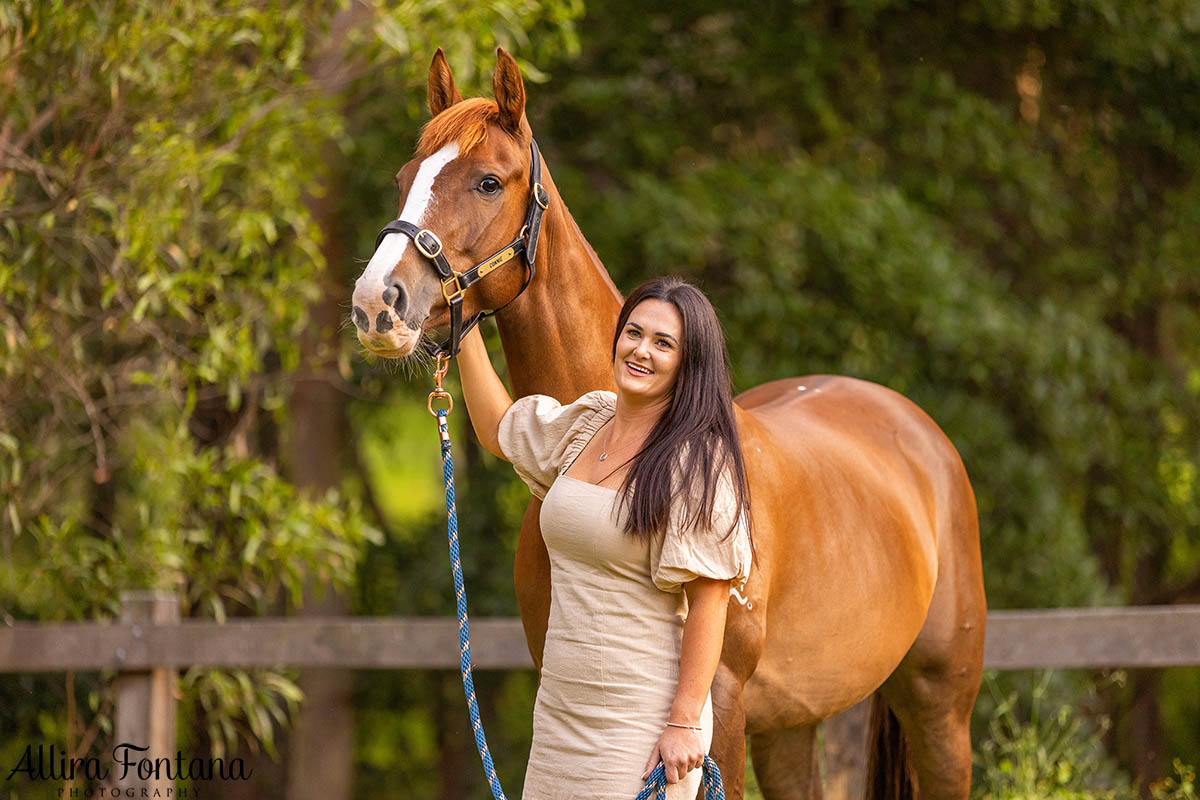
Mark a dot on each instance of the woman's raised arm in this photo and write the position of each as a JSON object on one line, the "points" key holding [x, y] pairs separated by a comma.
{"points": [[486, 397]]}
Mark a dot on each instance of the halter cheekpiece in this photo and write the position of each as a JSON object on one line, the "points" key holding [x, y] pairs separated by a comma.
{"points": [[455, 284]]}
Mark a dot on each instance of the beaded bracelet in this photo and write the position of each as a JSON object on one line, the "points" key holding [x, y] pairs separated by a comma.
{"points": [[689, 727]]}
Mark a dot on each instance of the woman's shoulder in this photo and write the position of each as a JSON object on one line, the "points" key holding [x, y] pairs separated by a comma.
{"points": [[598, 401], [544, 409], [538, 434]]}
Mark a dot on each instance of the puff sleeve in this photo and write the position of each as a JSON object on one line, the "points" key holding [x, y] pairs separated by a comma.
{"points": [[679, 555], [538, 434]]}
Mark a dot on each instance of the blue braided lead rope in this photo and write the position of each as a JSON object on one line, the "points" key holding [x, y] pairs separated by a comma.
{"points": [[464, 625], [656, 784]]}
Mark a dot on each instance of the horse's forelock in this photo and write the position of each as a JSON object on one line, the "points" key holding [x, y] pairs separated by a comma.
{"points": [[465, 123]]}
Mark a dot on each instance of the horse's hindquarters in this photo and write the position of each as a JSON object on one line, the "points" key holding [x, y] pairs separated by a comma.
{"points": [[846, 482]]}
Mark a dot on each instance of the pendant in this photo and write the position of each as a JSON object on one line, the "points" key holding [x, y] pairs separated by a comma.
{"points": [[603, 456]]}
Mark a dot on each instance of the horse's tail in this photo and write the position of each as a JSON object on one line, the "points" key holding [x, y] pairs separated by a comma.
{"points": [[889, 775]]}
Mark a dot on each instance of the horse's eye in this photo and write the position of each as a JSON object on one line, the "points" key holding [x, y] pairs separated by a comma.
{"points": [[489, 185]]}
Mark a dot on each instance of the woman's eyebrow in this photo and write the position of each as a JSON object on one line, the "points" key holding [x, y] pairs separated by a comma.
{"points": [[663, 334]]}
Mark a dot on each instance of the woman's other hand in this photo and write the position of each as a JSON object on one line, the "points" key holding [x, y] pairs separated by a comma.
{"points": [[681, 751]]}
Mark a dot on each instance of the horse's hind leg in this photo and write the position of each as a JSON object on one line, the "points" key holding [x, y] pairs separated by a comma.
{"points": [[933, 690], [935, 716], [785, 763]]}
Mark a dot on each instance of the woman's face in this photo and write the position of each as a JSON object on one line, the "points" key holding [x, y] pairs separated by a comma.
{"points": [[648, 352]]}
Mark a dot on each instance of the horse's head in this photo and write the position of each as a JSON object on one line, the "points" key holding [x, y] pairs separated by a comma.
{"points": [[469, 185]]}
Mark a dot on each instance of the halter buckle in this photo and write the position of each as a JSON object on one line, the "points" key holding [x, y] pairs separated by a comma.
{"points": [[428, 250], [459, 289], [541, 196]]}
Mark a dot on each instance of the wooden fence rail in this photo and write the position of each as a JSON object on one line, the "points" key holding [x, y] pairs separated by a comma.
{"points": [[1067, 638], [150, 643]]}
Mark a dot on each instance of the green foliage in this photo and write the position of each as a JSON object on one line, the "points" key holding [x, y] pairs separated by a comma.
{"points": [[1180, 786], [1039, 750], [240, 706], [159, 165], [1181, 709], [1043, 753], [158, 235]]}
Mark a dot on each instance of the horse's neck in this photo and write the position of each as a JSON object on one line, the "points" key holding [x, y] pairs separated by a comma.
{"points": [[558, 334]]}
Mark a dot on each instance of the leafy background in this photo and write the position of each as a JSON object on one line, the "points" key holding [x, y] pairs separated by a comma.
{"points": [[992, 207]]}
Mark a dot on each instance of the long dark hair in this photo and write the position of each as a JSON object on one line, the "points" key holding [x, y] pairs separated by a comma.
{"points": [[696, 439]]}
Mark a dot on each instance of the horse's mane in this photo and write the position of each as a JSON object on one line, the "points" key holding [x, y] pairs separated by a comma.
{"points": [[465, 123]]}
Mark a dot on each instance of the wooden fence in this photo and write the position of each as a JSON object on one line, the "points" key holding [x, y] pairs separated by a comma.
{"points": [[150, 642]]}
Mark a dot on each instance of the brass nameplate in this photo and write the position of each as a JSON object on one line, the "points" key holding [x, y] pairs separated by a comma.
{"points": [[496, 260]]}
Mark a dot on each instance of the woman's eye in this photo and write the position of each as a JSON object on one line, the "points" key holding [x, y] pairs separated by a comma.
{"points": [[489, 185]]}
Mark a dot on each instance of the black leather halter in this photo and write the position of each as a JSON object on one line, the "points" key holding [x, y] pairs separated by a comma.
{"points": [[455, 284]]}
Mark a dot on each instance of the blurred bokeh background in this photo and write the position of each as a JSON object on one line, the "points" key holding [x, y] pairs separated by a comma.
{"points": [[991, 206]]}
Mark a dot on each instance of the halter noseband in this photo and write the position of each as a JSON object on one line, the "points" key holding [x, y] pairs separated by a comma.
{"points": [[455, 284]]}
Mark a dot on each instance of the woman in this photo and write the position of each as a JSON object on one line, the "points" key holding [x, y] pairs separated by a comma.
{"points": [[645, 518]]}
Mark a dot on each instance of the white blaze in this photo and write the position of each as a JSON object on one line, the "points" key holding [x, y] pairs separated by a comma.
{"points": [[420, 196]]}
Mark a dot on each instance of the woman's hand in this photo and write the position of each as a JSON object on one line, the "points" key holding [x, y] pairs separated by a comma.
{"points": [[681, 751]]}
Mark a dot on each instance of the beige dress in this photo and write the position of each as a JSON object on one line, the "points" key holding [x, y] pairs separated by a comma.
{"points": [[611, 661]]}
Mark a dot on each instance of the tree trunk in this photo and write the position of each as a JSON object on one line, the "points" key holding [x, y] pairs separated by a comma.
{"points": [[453, 732], [321, 747], [1145, 730]]}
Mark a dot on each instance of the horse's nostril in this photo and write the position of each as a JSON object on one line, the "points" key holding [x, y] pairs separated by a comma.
{"points": [[360, 320], [395, 297], [383, 323]]}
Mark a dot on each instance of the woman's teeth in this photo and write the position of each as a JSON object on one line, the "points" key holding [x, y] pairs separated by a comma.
{"points": [[637, 369]]}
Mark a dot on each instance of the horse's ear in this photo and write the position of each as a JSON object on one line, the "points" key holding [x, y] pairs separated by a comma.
{"points": [[442, 91], [509, 90]]}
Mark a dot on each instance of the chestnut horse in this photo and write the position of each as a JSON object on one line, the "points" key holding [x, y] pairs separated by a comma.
{"points": [[868, 575]]}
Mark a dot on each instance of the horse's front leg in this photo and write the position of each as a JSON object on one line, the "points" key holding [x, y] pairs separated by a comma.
{"points": [[786, 763], [729, 731], [531, 579], [739, 656]]}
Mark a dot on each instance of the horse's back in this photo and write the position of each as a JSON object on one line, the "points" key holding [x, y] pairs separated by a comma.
{"points": [[851, 485]]}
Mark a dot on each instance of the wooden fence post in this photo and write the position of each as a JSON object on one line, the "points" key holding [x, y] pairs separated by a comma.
{"points": [[845, 741], [145, 699]]}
